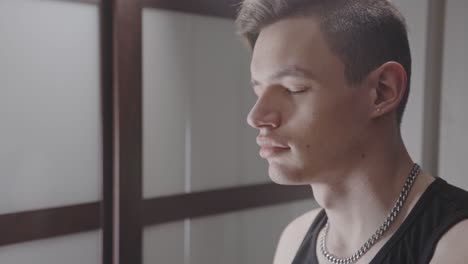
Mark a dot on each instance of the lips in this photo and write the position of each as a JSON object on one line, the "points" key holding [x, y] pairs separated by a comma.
{"points": [[269, 152], [270, 147]]}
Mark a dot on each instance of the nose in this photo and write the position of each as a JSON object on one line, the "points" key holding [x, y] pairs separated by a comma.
{"points": [[263, 114]]}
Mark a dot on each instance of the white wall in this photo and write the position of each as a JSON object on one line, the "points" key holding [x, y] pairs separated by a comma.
{"points": [[415, 13], [453, 165]]}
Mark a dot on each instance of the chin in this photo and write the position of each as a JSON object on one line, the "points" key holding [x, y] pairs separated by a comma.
{"points": [[280, 174]]}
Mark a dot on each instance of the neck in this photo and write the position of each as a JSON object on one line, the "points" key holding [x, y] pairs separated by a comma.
{"points": [[358, 198]]}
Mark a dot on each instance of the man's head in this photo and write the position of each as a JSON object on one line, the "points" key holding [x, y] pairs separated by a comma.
{"points": [[325, 73]]}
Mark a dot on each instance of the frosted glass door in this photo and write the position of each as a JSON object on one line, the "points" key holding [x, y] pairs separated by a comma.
{"points": [[196, 96], [50, 140], [50, 145]]}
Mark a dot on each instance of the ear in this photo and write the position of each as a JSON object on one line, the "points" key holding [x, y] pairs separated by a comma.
{"points": [[390, 86]]}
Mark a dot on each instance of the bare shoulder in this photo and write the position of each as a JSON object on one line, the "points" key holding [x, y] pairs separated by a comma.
{"points": [[292, 237], [452, 246]]}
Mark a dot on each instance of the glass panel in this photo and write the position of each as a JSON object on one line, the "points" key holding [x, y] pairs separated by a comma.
{"points": [[164, 243], [415, 13], [248, 237], [196, 98], [50, 147], [224, 152], [454, 121], [73, 249], [165, 87]]}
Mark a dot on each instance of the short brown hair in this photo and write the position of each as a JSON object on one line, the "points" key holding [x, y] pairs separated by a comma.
{"points": [[364, 34]]}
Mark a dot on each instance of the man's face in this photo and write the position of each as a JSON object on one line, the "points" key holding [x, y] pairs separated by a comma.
{"points": [[310, 120]]}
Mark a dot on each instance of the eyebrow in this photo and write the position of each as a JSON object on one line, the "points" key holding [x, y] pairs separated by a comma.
{"points": [[290, 70]]}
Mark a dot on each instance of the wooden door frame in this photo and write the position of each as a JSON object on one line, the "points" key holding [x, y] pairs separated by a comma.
{"points": [[123, 213]]}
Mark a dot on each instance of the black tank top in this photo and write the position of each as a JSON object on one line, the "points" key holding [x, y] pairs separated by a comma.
{"points": [[440, 207]]}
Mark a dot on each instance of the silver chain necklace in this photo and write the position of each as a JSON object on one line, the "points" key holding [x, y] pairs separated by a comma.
{"points": [[380, 231]]}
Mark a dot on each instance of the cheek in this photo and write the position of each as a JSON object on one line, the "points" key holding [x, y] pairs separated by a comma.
{"points": [[325, 126], [317, 117], [324, 116]]}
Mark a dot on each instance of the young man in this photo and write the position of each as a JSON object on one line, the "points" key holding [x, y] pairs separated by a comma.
{"points": [[332, 80]]}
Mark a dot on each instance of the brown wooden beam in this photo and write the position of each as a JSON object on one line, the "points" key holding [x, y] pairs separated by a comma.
{"points": [[127, 103], [46, 223], [52, 222], [192, 205], [217, 8]]}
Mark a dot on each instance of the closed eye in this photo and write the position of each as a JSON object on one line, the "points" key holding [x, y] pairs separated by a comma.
{"points": [[296, 90]]}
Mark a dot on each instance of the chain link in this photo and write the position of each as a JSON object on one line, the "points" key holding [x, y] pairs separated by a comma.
{"points": [[380, 231]]}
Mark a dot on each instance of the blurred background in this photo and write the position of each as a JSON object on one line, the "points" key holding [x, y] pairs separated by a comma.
{"points": [[123, 133]]}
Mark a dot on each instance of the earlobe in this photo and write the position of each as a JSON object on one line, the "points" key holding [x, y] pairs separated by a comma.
{"points": [[390, 87]]}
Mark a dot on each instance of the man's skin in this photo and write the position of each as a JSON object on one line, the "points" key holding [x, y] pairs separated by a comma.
{"points": [[341, 139]]}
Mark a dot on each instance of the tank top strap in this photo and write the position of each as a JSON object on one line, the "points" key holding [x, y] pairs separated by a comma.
{"points": [[306, 252]]}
